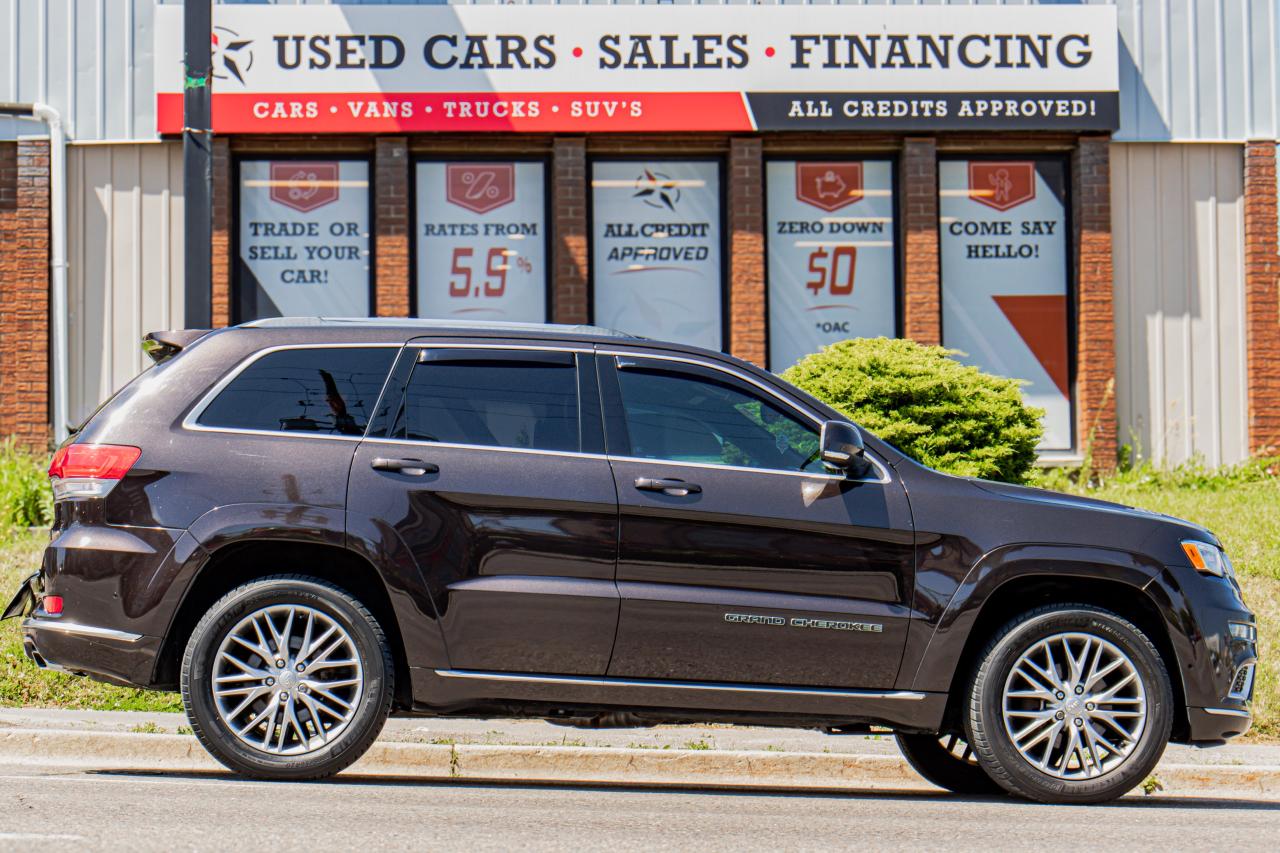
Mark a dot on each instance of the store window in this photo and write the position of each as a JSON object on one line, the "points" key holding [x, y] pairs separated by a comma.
{"points": [[656, 249], [1004, 234], [303, 239], [482, 240], [832, 257]]}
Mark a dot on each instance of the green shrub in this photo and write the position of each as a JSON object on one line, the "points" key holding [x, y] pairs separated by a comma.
{"points": [[25, 499], [936, 410]]}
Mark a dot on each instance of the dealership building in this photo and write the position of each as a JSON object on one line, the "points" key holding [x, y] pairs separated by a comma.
{"points": [[1079, 196]]}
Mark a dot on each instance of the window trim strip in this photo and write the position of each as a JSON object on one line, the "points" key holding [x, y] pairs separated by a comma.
{"points": [[813, 417], [191, 420]]}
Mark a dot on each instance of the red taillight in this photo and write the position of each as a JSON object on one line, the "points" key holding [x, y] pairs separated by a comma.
{"points": [[52, 605], [93, 461], [90, 470]]}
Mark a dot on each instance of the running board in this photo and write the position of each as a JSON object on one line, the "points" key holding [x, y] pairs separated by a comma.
{"points": [[458, 691]]}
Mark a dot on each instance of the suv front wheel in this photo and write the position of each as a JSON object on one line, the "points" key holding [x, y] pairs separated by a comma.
{"points": [[287, 677], [1069, 704]]}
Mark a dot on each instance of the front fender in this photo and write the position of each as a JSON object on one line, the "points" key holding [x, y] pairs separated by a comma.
{"points": [[936, 665]]}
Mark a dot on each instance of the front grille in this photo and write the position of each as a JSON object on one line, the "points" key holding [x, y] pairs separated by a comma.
{"points": [[1242, 684]]}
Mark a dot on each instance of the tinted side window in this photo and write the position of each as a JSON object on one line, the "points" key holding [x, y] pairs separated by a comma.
{"points": [[494, 401], [329, 390], [682, 418]]}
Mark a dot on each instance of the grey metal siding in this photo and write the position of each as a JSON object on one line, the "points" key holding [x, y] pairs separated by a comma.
{"points": [[1178, 231], [125, 267], [1191, 70]]}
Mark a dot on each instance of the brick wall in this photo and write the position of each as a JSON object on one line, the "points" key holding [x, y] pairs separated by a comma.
{"points": [[745, 336], [571, 301], [393, 277], [921, 275], [221, 250], [24, 292], [1262, 299], [1095, 315]]}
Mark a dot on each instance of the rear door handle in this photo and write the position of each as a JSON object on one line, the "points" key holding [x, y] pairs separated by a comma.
{"points": [[411, 467], [678, 488]]}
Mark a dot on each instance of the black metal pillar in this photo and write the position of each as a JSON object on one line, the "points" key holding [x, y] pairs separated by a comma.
{"points": [[197, 163]]}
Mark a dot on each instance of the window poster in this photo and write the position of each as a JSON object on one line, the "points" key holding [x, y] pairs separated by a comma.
{"points": [[1004, 278], [831, 255], [482, 242], [656, 256], [303, 239]]}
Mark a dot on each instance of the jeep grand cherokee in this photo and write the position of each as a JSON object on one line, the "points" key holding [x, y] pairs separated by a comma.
{"points": [[305, 525]]}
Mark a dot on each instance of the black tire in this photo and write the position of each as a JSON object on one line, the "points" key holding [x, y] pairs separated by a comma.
{"points": [[948, 762], [370, 710], [994, 745]]}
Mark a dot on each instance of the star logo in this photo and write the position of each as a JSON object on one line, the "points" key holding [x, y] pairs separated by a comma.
{"points": [[657, 190], [231, 55]]}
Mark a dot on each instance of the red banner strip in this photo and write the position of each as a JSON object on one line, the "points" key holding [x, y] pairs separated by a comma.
{"points": [[546, 112]]}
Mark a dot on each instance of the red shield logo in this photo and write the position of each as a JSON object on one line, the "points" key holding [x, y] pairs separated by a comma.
{"points": [[829, 186], [304, 186], [1002, 185], [481, 187]]}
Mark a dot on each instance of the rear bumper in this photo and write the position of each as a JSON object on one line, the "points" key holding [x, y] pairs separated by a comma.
{"points": [[102, 653]]}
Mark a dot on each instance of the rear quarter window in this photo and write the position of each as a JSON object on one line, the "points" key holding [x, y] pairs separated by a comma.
{"points": [[322, 390]]}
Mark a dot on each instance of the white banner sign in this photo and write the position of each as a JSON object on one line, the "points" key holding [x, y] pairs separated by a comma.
{"points": [[1004, 278], [831, 255], [482, 244], [304, 239], [375, 68], [656, 249]]}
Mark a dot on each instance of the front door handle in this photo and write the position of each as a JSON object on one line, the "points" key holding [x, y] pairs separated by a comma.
{"points": [[678, 488], [412, 467]]}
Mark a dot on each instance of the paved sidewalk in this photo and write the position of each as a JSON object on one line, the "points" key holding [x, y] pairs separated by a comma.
{"points": [[498, 732]]}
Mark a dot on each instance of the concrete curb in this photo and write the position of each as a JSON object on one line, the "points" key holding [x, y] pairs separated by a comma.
{"points": [[593, 765]]}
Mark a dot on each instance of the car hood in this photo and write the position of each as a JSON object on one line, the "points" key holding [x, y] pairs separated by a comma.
{"points": [[1059, 499]]}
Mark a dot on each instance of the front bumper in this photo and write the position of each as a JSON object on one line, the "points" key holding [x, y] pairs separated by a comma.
{"points": [[1216, 663], [1211, 726]]}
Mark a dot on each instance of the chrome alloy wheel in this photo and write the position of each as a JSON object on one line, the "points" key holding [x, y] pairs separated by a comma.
{"points": [[287, 679], [1074, 706]]}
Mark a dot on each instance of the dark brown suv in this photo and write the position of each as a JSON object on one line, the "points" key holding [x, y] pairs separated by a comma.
{"points": [[306, 525]]}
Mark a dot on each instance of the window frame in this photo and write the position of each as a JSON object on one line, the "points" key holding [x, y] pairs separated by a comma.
{"points": [[592, 158], [1070, 271], [233, 274], [899, 242], [191, 420], [548, 222], [588, 399], [611, 399]]}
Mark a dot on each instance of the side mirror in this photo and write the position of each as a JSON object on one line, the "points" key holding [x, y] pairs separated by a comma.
{"points": [[842, 446]]}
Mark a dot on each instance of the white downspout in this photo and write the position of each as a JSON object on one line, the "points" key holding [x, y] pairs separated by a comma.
{"points": [[58, 264]]}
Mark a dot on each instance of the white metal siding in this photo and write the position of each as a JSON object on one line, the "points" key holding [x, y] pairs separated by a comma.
{"points": [[1190, 70], [1178, 231], [125, 276]]}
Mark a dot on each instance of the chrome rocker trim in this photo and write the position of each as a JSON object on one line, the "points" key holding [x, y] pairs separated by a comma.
{"points": [[602, 681]]}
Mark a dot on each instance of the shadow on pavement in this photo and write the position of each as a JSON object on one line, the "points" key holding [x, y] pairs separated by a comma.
{"points": [[357, 780]]}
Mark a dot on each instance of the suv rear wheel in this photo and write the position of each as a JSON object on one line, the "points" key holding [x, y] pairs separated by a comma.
{"points": [[1069, 704], [287, 677]]}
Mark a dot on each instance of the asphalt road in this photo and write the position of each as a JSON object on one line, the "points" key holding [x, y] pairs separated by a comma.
{"points": [[101, 810]]}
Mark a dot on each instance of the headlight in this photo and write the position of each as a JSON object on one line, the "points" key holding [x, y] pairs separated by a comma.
{"points": [[1208, 559]]}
